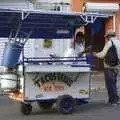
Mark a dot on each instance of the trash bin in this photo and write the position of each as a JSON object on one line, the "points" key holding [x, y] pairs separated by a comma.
{"points": [[11, 54]]}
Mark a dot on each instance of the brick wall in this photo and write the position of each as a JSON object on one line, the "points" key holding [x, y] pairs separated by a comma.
{"points": [[117, 25]]}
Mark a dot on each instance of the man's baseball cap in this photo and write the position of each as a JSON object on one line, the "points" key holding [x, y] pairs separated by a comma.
{"points": [[110, 33]]}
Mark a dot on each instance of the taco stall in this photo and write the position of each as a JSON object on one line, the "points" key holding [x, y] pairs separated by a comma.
{"points": [[44, 80]]}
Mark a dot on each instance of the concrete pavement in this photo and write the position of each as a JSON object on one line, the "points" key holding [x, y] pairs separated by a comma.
{"points": [[94, 110], [98, 80]]}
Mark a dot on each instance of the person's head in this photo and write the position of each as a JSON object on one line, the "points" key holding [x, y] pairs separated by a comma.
{"points": [[110, 33], [79, 37]]}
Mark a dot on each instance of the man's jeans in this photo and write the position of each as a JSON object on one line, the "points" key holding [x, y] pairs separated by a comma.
{"points": [[111, 84]]}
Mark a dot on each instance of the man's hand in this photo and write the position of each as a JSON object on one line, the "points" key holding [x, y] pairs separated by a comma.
{"points": [[87, 50]]}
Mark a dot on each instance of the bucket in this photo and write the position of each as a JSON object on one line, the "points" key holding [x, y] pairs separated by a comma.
{"points": [[11, 54], [9, 81]]}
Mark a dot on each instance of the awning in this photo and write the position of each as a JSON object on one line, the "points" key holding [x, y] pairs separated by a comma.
{"points": [[109, 8], [42, 24]]}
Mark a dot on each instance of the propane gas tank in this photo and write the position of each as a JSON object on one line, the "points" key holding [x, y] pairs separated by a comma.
{"points": [[9, 81]]}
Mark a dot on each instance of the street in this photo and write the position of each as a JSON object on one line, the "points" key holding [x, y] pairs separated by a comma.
{"points": [[96, 109]]}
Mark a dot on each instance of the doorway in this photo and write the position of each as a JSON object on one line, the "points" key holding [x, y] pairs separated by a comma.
{"points": [[95, 37]]}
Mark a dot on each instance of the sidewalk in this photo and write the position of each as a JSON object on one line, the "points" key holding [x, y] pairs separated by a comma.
{"points": [[98, 80]]}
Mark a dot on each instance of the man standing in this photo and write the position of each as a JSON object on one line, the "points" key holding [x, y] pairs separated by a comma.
{"points": [[110, 72]]}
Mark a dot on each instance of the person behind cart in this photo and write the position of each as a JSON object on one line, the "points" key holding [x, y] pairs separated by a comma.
{"points": [[110, 69], [78, 47], [76, 50]]}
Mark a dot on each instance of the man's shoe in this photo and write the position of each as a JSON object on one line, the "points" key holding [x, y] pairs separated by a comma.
{"points": [[118, 102], [114, 104]]}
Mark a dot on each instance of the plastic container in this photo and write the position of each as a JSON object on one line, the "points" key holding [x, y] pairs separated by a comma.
{"points": [[11, 54]]}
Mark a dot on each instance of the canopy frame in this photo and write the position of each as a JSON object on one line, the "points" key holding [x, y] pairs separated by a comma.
{"points": [[43, 24]]}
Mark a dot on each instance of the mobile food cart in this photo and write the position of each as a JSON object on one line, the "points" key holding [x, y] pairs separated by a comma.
{"points": [[43, 80]]}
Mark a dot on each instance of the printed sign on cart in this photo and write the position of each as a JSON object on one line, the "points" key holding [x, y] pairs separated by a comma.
{"points": [[52, 81], [46, 85]]}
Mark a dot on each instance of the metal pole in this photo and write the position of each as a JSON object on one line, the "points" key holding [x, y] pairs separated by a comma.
{"points": [[17, 31]]}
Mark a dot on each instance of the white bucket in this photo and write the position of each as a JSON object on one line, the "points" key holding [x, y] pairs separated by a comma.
{"points": [[8, 81]]}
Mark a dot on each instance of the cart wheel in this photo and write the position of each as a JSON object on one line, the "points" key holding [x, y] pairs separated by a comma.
{"points": [[45, 105], [26, 109], [65, 104]]}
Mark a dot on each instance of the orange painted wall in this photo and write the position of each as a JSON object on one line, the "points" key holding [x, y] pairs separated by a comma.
{"points": [[117, 25], [77, 5], [109, 23]]}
